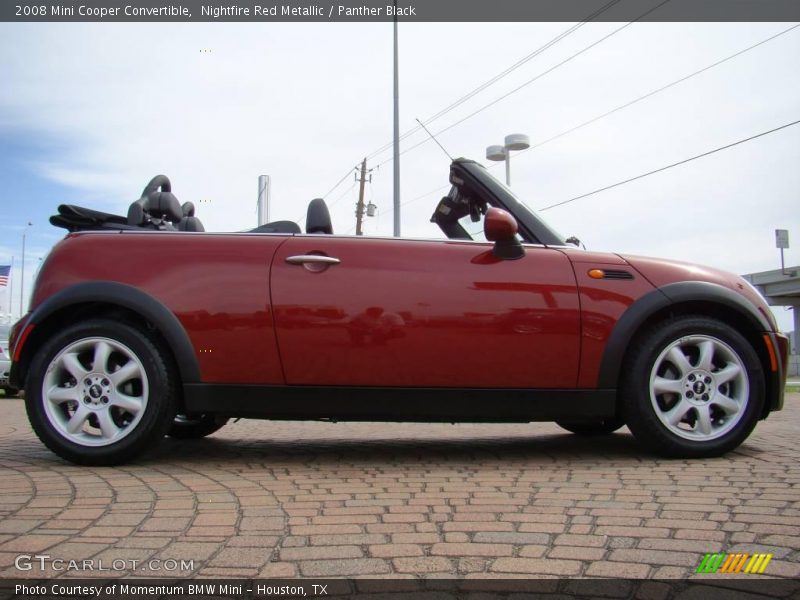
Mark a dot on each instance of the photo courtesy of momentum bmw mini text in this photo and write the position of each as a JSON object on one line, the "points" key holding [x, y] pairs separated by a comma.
{"points": [[365, 298]]}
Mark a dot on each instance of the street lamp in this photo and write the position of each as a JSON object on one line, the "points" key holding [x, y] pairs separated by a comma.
{"points": [[22, 276], [514, 141]]}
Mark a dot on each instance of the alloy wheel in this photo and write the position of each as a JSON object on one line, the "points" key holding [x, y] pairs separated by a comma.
{"points": [[699, 387], [95, 391]]}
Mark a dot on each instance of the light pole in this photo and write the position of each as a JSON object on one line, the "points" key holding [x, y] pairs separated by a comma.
{"points": [[514, 141], [22, 276], [396, 127]]}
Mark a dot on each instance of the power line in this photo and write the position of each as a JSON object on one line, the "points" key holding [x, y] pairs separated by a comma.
{"points": [[330, 191], [659, 170], [530, 81], [346, 192], [426, 194], [499, 76], [657, 90], [338, 183], [629, 104]]}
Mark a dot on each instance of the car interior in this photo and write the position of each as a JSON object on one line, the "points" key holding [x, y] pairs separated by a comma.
{"points": [[158, 209]]}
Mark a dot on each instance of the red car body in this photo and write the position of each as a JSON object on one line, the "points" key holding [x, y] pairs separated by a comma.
{"points": [[399, 329]]}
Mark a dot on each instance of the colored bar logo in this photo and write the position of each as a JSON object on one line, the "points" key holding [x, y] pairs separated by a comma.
{"points": [[734, 563]]}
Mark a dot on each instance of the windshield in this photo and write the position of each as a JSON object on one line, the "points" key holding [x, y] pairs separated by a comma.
{"points": [[521, 211], [460, 214]]}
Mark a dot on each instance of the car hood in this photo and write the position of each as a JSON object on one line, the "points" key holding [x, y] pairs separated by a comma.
{"points": [[661, 272]]}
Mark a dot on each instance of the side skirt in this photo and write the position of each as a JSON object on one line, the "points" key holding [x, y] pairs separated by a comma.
{"points": [[397, 404]]}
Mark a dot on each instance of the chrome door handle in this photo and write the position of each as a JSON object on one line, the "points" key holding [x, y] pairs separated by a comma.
{"points": [[304, 259]]}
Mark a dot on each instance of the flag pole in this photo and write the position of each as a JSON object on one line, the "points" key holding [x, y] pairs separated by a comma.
{"points": [[9, 297]]}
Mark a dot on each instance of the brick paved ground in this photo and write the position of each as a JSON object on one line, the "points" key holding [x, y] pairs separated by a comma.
{"points": [[317, 499]]}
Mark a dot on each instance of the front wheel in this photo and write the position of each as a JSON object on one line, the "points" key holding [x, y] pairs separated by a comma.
{"points": [[692, 387], [100, 393]]}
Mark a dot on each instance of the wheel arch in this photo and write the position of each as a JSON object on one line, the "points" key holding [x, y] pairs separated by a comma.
{"points": [[116, 300], [688, 298]]}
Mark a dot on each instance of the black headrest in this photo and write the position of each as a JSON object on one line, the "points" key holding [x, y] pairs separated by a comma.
{"points": [[318, 219], [188, 209], [159, 205], [156, 204], [159, 181], [190, 224]]}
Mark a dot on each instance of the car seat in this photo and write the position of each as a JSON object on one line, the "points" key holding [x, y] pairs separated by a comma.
{"points": [[318, 218]]}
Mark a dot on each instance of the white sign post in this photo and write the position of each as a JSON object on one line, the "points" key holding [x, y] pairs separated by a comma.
{"points": [[782, 242]]}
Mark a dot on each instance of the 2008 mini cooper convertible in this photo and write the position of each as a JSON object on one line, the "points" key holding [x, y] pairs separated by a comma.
{"points": [[145, 325]]}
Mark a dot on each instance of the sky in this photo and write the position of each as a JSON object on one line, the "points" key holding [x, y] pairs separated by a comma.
{"points": [[89, 112]]}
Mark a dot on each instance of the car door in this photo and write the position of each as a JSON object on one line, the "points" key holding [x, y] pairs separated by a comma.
{"points": [[392, 312]]}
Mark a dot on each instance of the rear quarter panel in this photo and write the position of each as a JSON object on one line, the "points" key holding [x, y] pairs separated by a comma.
{"points": [[216, 284]]}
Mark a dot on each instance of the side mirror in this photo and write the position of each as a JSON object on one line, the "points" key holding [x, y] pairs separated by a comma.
{"points": [[501, 228]]}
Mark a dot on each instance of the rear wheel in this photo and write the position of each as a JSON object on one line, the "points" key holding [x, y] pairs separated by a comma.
{"points": [[692, 387], [197, 426], [100, 393], [10, 392], [595, 427]]}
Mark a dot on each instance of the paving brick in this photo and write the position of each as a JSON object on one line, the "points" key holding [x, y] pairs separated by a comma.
{"points": [[510, 537], [541, 566], [240, 557], [347, 540], [640, 532], [344, 567], [679, 545], [415, 538], [343, 519], [320, 552], [567, 539], [654, 557], [278, 569], [372, 500], [31, 543], [395, 550], [427, 564], [577, 553], [617, 570], [325, 529], [467, 549]]}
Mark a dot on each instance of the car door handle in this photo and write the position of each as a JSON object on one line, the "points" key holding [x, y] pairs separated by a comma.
{"points": [[305, 259]]}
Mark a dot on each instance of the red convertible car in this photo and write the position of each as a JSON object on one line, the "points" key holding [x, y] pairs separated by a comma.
{"points": [[143, 325]]}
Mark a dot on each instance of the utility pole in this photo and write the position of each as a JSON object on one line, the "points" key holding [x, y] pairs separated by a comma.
{"points": [[360, 205]]}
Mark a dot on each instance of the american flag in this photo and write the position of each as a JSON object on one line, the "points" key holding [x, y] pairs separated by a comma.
{"points": [[5, 273]]}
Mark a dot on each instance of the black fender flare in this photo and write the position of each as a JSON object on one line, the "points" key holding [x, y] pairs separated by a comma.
{"points": [[674, 293], [134, 299]]}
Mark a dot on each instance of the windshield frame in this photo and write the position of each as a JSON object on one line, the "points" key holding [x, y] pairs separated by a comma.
{"points": [[532, 228]]}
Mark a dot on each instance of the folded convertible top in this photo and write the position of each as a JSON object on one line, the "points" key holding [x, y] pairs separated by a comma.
{"points": [[77, 218]]}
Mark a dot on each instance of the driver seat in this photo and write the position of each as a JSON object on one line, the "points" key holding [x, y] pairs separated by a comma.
{"points": [[155, 207], [318, 218]]}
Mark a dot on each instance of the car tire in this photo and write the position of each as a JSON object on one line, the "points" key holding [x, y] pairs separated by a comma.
{"points": [[100, 393], [692, 387], [195, 427], [10, 392], [595, 427]]}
